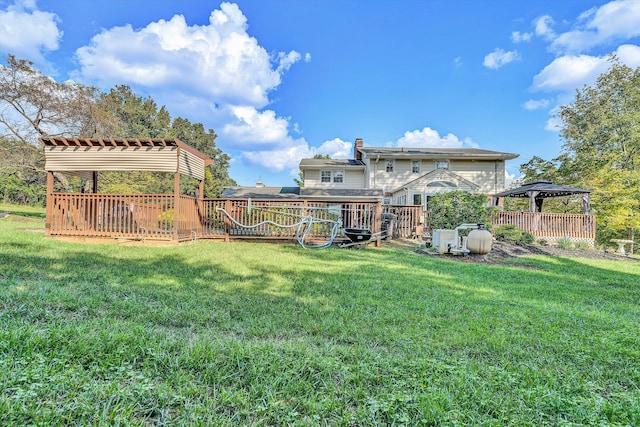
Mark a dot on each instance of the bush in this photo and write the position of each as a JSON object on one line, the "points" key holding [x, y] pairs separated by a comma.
{"points": [[511, 234], [565, 243], [449, 210], [582, 246]]}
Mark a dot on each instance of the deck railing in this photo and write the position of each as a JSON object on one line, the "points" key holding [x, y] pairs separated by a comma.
{"points": [[551, 226], [161, 216]]}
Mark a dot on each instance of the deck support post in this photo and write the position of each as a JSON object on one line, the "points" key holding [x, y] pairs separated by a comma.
{"points": [[378, 226], [49, 210], [176, 204]]}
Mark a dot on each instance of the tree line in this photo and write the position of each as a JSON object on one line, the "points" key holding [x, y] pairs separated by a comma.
{"points": [[34, 105], [600, 130]]}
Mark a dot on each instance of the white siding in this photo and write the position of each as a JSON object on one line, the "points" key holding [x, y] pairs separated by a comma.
{"points": [[353, 179], [481, 173]]}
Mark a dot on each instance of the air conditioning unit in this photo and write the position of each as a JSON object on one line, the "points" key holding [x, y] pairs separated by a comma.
{"points": [[443, 239]]}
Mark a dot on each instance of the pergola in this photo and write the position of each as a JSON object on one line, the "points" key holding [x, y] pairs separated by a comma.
{"points": [[539, 190], [86, 157]]}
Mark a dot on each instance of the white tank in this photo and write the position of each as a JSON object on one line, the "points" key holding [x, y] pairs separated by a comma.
{"points": [[479, 241]]}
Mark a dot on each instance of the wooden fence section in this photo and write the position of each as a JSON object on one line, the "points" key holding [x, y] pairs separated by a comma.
{"points": [[127, 216], [243, 218], [407, 219], [551, 225]]}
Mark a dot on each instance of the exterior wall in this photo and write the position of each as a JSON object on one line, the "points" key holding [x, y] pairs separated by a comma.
{"points": [[481, 173], [488, 175], [353, 179], [61, 159]]}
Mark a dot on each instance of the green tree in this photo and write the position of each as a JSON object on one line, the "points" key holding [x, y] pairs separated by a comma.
{"points": [[33, 105], [601, 132]]}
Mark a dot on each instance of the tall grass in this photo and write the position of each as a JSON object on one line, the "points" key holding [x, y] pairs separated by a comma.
{"points": [[264, 334]]}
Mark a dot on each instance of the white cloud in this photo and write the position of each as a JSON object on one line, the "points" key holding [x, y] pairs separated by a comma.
{"points": [[278, 160], [27, 32], [252, 128], [543, 26], [518, 37], [428, 137], [336, 149], [568, 73], [220, 61], [499, 58], [616, 20], [536, 104]]}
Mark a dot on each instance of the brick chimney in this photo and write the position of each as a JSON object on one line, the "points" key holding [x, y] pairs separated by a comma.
{"points": [[356, 153]]}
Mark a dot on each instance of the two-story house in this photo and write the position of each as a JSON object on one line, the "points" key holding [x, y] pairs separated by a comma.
{"points": [[409, 175]]}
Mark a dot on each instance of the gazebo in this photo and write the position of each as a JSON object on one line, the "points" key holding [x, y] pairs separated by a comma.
{"points": [[549, 226], [164, 216], [537, 191]]}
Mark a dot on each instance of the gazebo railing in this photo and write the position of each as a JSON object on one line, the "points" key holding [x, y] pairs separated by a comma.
{"points": [[551, 226]]}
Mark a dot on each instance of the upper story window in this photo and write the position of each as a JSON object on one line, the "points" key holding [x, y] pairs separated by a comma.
{"points": [[415, 166], [389, 164], [442, 164], [332, 176]]}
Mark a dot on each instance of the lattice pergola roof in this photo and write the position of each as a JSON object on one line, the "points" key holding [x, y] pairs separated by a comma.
{"points": [[81, 155]]}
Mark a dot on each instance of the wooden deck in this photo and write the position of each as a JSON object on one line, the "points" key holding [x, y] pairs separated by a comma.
{"points": [[164, 217]]}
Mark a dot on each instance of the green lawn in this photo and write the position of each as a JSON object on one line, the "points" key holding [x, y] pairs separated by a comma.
{"points": [[265, 334]]}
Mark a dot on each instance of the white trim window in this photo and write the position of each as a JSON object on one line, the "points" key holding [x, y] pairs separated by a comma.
{"points": [[401, 200], [415, 166], [417, 198], [389, 165], [337, 177], [442, 164], [386, 200]]}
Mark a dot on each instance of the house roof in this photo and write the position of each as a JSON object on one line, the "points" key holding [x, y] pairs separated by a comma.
{"points": [[299, 193], [436, 153], [339, 193], [261, 192], [544, 189], [437, 175], [331, 163]]}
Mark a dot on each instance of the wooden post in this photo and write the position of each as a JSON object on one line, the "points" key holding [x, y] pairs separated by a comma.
{"points": [[227, 221], [176, 203], [200, 206], [95, 182], [378, 227], [49, 211]]}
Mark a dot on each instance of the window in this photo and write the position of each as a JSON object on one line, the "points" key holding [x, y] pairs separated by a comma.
{"points": [[442, 164], [332, 176], [386, 200], [389, 165], [415, 166], [417, 198], [401, 200]]}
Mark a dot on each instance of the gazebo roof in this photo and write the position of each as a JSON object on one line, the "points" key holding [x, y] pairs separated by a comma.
{"points": [[544, 189]]}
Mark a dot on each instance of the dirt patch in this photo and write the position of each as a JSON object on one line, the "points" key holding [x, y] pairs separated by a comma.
{"points": [[501, 251]]}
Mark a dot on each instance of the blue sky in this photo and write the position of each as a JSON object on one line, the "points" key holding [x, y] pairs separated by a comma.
{"points": [[281, 80]]}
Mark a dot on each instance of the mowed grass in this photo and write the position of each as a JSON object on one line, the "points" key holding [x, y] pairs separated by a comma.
{"points": [[269, 334]]}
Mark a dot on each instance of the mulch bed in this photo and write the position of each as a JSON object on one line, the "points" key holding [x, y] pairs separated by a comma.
{"points": [[502, 251]]}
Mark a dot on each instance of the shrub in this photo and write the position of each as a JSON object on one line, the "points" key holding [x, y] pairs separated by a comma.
{"points": [[582, 246], [449, 210], [511, 234], [565, 243]]}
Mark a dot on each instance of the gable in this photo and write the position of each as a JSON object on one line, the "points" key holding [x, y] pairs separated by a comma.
{"points": [[440, 180]]}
